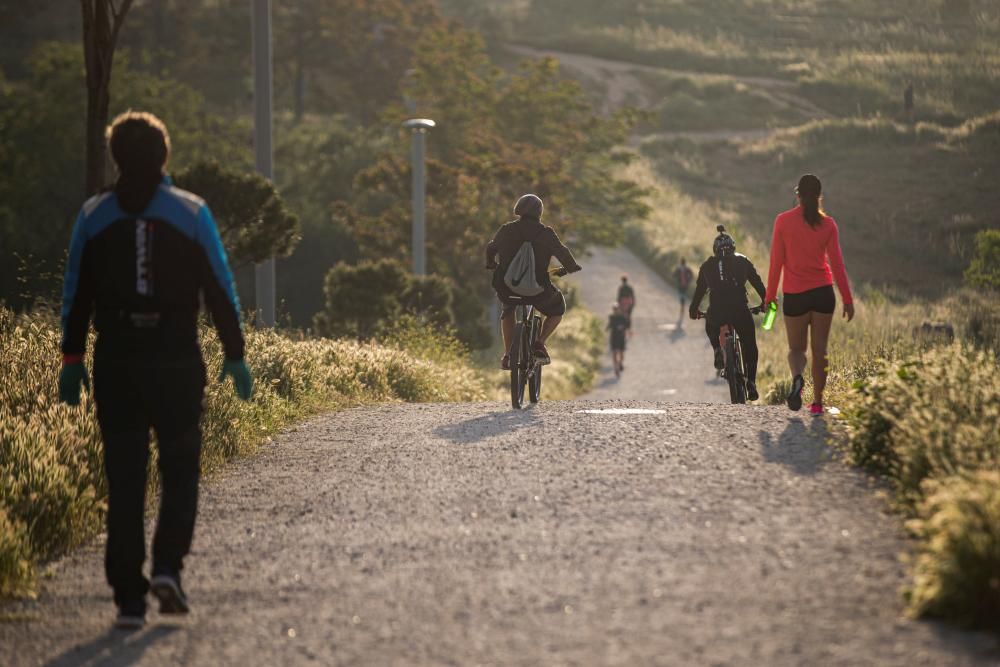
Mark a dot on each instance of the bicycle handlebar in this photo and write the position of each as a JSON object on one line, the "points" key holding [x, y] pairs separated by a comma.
{"points": [[756, 310]]}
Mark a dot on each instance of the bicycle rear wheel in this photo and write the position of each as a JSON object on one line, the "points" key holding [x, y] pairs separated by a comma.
{"points": [[517, 373], [734, 372], [535, 374]]}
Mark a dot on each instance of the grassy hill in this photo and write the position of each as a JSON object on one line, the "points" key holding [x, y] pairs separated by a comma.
{"points": [[909, 199], [850, 56]]}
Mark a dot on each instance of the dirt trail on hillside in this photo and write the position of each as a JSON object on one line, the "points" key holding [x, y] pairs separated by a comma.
{"points": [[623, 87]]}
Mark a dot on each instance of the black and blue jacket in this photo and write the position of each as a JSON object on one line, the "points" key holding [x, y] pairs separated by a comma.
{"points": [[143, 277]]}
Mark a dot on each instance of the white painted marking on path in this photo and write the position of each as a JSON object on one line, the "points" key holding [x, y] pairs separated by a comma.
{"points": [[622, 411], [668, 392]]}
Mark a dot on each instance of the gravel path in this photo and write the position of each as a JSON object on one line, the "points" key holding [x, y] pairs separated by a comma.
{"points": [[668, 358], [470, 534]]}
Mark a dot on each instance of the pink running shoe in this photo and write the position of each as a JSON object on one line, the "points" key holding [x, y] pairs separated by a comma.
{"points": [[816, 409]]}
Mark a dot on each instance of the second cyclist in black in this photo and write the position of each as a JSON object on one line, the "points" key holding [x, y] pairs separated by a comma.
{"points": [[724, 276]]}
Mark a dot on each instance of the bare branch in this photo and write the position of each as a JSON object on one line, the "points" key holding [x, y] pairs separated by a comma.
{"points": [[119, 18]]}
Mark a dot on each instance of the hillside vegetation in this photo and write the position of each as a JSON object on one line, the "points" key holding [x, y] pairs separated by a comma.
{"points": [[908, 198]]}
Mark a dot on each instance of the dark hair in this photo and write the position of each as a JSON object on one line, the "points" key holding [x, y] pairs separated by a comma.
{"points": [[810, 190], [140, 146], [529, 206]]}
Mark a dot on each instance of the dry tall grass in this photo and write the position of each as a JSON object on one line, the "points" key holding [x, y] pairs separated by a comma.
{"points": [[52, 487]]}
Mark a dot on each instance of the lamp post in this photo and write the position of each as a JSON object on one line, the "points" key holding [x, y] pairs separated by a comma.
{"points": [[262, 98], [419, 128]]}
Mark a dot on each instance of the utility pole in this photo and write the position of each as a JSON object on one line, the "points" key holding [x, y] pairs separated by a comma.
{"points": [[419, 126], [264, 155]]}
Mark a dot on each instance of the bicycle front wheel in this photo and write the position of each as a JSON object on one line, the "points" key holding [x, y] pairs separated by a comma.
{"points": [[518, 373], [535, 374], [734, 372]]}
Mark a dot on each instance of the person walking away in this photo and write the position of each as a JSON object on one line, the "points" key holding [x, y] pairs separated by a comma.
{"points": [[618, 327], [544, 245], [626, 299], [724, 276], [683, 277], [806, 257], [141, 259]]}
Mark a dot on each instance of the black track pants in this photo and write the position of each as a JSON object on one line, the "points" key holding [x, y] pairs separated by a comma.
{"points": [[132, 397], [743, 321]]}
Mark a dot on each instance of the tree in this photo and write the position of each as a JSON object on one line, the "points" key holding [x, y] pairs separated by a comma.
{"points": [[102, 21], [366, 298], [252, 217]]}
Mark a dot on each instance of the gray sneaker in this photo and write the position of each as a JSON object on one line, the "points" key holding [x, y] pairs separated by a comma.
{"points": [[131, 615], [167, 589]]}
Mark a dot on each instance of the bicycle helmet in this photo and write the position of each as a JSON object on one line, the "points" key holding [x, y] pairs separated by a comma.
{"points": [[724, 245]]}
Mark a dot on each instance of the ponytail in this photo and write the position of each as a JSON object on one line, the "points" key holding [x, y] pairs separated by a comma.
{"points": [[809, 191], [812, 211]]}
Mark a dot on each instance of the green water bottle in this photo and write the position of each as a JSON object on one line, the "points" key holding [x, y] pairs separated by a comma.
{"points": [[772, 314]]}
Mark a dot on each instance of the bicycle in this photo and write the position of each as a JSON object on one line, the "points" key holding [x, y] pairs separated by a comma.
{"points": [[733, 369], [525, 371]]}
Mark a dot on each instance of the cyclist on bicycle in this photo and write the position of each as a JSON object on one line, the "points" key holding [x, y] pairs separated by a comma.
{"points": [[545, 244], [725, 276]]}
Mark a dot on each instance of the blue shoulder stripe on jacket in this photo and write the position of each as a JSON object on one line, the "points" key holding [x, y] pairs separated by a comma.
{"points": [[95, 215]]}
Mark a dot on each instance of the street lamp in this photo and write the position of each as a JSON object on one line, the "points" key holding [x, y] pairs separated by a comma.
{"points": [[262, 76], [419, 127]]}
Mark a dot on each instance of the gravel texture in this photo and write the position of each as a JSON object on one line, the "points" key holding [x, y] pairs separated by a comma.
{"points": [[470, 534]]}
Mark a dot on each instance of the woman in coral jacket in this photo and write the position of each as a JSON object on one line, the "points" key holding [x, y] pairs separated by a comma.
{"points": [[806, 247]]}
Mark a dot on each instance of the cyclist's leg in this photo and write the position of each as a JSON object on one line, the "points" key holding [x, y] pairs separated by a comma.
{"points": [[748, 342], [507, 323], [821, 323], [553, 307], [712, 327]]}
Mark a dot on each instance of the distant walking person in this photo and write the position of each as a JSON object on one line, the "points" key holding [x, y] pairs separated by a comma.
{"points": [[626, 300], [806, 247], [618, 327], [908, 102], [142, 258], [683, 277]]}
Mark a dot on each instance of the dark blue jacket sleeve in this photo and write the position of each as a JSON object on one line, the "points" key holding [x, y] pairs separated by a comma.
{"points": [[78, 292], [219, 288]]}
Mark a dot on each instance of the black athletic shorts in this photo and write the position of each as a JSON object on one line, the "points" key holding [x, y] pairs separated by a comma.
{"points": [[819, 300], [549, 303]]}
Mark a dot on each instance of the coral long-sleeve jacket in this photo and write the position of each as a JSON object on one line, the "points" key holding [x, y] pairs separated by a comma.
{"points": [[809, 257]]}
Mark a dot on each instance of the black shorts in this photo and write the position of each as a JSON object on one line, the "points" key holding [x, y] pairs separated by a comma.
{"points": [[618, 344], [819, 300], [549, 303]]}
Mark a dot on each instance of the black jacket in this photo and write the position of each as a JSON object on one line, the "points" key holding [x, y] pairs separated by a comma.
{"points": [[143, 276], [544, 241], [725, 280]]}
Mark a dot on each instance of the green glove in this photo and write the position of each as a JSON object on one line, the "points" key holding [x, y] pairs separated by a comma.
{"points": [[241, 377], [70, 379]]}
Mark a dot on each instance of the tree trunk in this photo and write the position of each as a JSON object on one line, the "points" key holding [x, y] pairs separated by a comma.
{"points": [[101, 23]]}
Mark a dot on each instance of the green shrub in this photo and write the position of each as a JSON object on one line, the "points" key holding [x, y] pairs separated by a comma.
{"points": [[366, 298], [933, 415], [931, 424], [984, 270], [957, 571]]}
